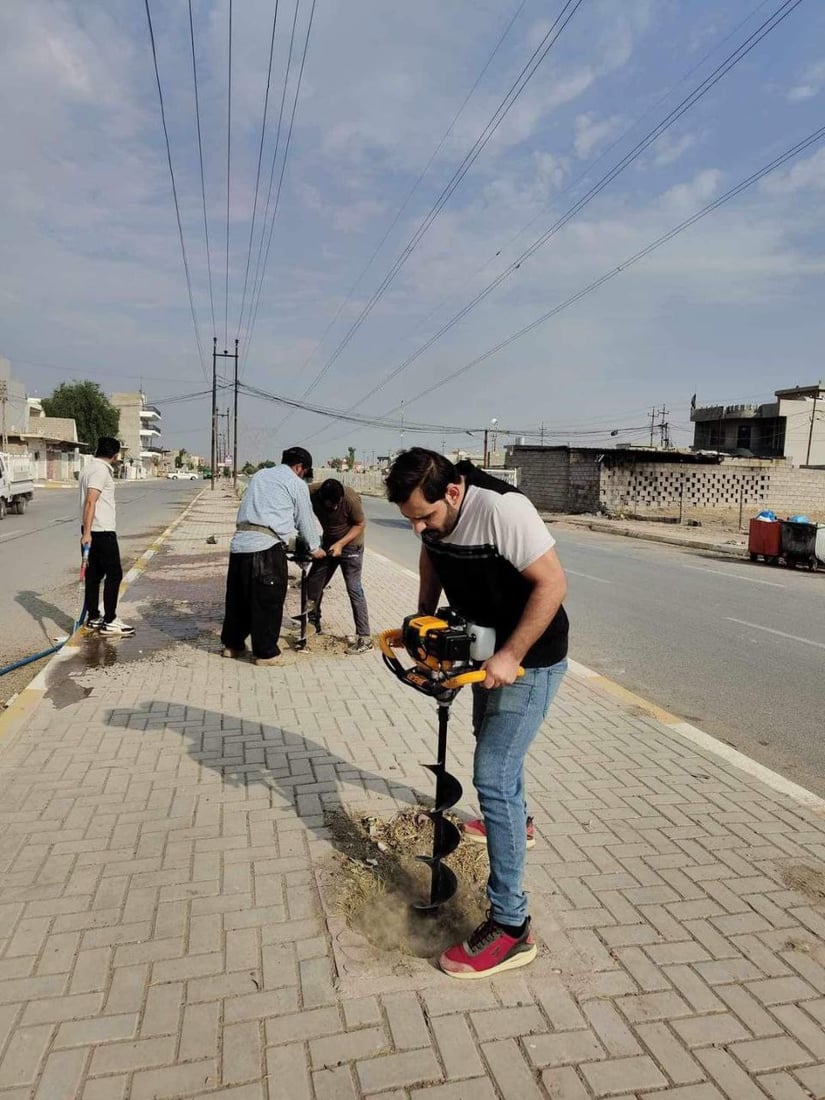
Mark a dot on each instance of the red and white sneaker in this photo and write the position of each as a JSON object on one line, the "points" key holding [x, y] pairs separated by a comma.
{"points": [[489, 950], [477, 832]]}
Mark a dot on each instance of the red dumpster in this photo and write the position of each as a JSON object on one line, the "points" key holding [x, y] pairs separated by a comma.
{"points": [[765, 540]]}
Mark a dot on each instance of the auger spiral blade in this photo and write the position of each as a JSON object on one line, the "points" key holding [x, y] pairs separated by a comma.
{"points": [[448, 841], [442, 886], [448, 790]]}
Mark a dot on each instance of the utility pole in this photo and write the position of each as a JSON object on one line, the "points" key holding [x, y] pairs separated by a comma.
{"points": [[235, 436], [664, 429], [4, 397], [807, 457], [214, 405], [484, 460], [216, 355], [652, 423], [541, 434]]}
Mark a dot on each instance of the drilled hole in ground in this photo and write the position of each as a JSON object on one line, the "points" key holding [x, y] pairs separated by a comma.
{"points": [[376, 879]]}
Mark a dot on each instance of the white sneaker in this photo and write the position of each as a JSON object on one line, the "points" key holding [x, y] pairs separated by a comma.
{"points": [[117, 627], [94, 624]]}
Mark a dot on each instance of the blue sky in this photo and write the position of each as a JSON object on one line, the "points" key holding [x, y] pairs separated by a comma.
{"points": [[91, 278]]}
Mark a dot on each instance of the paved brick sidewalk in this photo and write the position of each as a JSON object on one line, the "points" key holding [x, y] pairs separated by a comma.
{"points": [[162, 932]]}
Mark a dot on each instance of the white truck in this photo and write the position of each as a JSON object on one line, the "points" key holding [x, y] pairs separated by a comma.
{"points": [[16, 483]]}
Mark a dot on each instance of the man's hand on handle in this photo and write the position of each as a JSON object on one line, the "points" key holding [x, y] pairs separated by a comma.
{"points": [[317, 554], [502, 669]]}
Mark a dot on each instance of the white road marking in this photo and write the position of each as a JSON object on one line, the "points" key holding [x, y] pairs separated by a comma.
{"points": [[781, 633], [587, 576], [734, 576]]}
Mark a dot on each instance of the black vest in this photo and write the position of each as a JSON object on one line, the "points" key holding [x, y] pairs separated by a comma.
{"points": [[485, 588]]}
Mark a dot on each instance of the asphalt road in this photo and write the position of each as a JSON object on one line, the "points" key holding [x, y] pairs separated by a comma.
{"points": [[737, 649], [40, 559]]}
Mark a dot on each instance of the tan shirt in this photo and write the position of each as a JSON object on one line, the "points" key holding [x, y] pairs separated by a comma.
{"points": [[97, 474], [336, 523]]}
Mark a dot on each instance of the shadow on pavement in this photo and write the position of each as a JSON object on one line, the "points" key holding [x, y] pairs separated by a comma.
{"points": [[43, 611]]}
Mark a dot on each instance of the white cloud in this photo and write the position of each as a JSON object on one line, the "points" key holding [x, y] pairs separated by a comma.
{"points": [[805, 175], [811, 83], [667, 149], [592, 131], [686, 197]]}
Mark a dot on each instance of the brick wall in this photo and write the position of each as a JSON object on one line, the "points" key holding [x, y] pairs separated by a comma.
{"points": [[558, 479]]}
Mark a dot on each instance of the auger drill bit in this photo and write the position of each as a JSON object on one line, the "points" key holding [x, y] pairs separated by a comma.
{"points": [[446, 837]]}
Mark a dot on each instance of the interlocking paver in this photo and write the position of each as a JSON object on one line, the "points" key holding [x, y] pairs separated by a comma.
{"points": [[160, 921]]}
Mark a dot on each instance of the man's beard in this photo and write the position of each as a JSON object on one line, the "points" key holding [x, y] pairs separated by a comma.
{"points": [[450, 521]]}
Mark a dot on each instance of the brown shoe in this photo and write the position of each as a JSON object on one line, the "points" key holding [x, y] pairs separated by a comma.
{"points": [[226, 652], [269, 660]]}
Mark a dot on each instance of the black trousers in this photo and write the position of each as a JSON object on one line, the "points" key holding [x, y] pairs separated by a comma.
{"points": [[104, 565], [255, 592]]}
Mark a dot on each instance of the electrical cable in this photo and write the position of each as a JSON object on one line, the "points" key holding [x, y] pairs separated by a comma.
{"points": [[551, 37], [228, 179], [251, 326], [174, 190], [345, 302], [794, 150], [258, 172], [779, 15], [200, 158]]}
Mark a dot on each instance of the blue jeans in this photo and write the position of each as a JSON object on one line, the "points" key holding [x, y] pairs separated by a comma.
{"points": [[505, 722]]}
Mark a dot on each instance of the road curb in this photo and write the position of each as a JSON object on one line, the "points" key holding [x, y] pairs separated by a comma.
{"points": [[701, 739], [25, 703], [652, 536]]}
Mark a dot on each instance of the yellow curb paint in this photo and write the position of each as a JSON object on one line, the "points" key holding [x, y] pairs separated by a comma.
{"points": [[26, 702], [702, 740]]}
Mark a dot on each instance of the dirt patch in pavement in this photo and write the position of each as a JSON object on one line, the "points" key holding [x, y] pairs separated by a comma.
{"points": [[376, 879], [806, 880]]}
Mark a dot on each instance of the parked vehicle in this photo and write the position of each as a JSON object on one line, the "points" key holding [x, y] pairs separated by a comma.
{"points": [[182, 475], [16, 483]]}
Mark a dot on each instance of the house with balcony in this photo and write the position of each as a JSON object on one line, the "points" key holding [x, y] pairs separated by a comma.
{"points": [[139, 431], [791, 427]]}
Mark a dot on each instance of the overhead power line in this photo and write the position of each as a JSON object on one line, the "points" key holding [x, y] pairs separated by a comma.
{"points": [[789, 154], [345, 302], [200, 159], [284, 160], [424, 429], [228, 178], [258, 172], [174, 189], [337, 414], [770, 24], [551, 37]]}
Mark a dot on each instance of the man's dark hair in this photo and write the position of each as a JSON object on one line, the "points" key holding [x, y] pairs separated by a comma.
{"points": [[331, 493], [107, 447], [298, 456], [421, 469]]}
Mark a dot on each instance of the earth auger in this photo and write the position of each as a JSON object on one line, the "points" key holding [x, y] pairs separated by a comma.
{"points": [[447, 651]]}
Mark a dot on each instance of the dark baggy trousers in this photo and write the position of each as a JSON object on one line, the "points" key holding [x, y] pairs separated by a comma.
{"points": [[322, 572], [255, 592], [103, 565]]}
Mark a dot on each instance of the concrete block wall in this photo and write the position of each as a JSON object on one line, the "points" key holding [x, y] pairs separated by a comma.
{"points": [[665, 488], [557, 479]]}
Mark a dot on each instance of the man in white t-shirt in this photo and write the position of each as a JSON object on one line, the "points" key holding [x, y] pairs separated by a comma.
{"points": [[486, 546], [98, 538]]}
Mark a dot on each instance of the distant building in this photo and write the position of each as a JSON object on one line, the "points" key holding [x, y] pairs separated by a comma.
{"points": [[13, 411], [792, 427], [139, 433]]}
